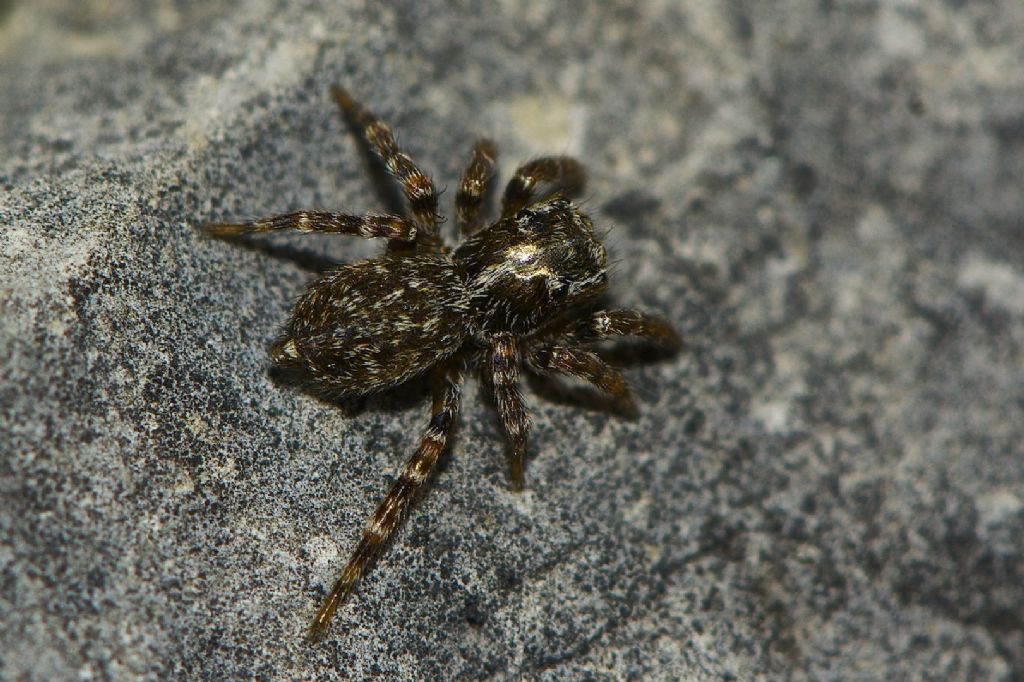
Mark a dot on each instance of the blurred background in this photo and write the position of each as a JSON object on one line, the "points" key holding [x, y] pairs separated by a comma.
{"points": [[824, 198]]}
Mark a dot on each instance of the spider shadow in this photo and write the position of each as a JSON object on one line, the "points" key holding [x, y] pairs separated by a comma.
{"points": [[307, 259], [402, 398]]}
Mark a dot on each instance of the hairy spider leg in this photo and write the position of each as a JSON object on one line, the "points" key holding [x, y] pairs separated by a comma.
{"points": [[369, 226], [393, 509], [473, 185], [563, 172], [504, 377], [586, 365], [419, 190], [604, 323]]}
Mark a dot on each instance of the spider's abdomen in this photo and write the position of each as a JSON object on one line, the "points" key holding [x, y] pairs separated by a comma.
{"points": [[368, 326]]}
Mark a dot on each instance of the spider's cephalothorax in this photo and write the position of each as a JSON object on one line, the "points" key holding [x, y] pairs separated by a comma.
{"points": [[512, 294], [528, 269]]}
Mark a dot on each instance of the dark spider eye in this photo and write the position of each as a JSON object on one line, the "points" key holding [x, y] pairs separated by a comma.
{"points": [[560, 289]]}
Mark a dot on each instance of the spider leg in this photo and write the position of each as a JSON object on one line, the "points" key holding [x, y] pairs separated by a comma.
{"points": [[393, 509], [473, 185], [562, 171], [604, 323], [417, 187], [504, 376], [586, 365], [369, 226]]}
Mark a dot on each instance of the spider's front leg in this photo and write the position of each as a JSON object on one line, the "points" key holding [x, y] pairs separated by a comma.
{"points": [[554, 358], [564, 172], [563, 354], [392, 510], [602, 324], [504, 377]]}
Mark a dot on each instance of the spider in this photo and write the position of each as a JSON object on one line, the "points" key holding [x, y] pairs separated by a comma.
{"points": [[518, 292]]}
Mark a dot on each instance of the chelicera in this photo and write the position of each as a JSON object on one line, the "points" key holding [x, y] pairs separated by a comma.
{"points": [[518, 293]]}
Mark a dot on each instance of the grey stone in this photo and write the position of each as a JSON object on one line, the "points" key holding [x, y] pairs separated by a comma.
{"points": [[824, 197]]}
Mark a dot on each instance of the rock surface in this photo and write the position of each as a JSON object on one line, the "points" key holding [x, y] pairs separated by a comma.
{"points": [[824, 197]]}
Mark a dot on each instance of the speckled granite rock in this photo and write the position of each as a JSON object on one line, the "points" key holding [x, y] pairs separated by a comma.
{"points": [[825, 197]]}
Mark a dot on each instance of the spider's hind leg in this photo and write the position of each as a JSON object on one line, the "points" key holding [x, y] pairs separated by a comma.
{"points": [[473, 185], [419, 189], [393, 509]]}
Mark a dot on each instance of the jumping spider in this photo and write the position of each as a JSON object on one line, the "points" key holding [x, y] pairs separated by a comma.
{"points": [[518, 292]]}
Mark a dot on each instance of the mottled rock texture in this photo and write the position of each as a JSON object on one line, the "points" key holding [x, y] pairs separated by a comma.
{"points": [[825, 197]]}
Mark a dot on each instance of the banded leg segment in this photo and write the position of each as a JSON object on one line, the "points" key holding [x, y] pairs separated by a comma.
{"points": [[369, 226], [473, 185], [393, 509], [564, 172], [585, 365], [504, 375], [417, 187], [604, 323]]}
